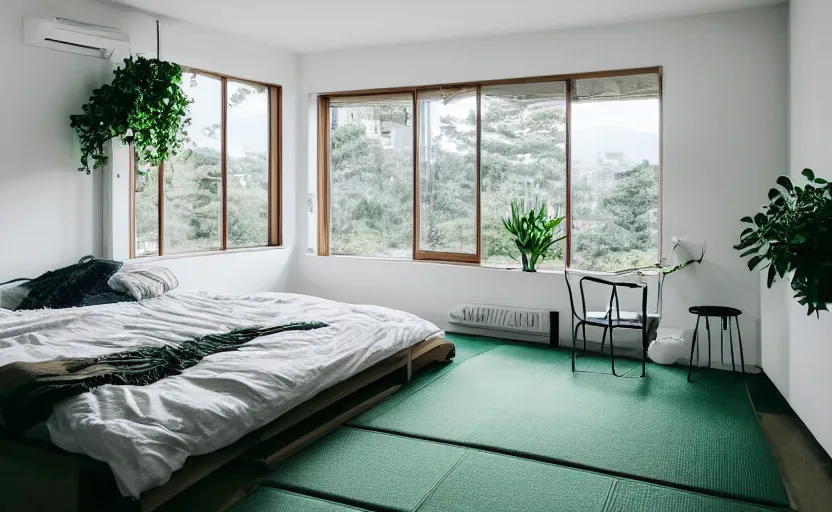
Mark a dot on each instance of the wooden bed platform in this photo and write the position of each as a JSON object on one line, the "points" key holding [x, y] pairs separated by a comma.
{"points": [[40, 476]]}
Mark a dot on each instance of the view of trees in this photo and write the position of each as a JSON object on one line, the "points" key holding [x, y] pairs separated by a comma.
{"points": [[193, 179], [523, 156]]}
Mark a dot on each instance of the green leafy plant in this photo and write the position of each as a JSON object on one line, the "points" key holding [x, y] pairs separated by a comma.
{"points": [[793, 235], [533, 231], [144, 97]]}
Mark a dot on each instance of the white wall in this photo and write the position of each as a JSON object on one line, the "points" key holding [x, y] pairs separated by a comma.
{"points": [[810, 339], [52, 214], [725, 140]]}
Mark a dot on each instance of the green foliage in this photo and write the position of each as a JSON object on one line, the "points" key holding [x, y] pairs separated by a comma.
{"points": [[624, 233], [793, 234], [144, 97], [533, 231]]}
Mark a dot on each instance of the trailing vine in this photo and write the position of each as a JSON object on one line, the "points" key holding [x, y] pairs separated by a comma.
{"points": [[144, 97]]}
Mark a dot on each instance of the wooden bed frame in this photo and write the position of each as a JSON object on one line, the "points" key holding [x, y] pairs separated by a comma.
{"points": [[40, 476]]}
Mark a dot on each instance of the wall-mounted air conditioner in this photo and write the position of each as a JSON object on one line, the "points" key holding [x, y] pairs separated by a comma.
{"points": [[76, 37]]}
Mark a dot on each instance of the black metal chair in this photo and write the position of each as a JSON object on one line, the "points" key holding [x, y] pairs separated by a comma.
{"points": [[611, 319]]}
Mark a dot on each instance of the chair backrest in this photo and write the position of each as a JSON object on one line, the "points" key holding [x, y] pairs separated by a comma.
{"points": [[616, 284]]}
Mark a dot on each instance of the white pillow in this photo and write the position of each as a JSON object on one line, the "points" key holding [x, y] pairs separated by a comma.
{"points": [[11, 295], [143, 282]]}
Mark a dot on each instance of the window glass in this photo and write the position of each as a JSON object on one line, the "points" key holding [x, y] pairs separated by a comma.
{"points": [[248, 165], [448, 170], [371, 173], [193, 178], [615, 173], [523, 157], [147, 211]]}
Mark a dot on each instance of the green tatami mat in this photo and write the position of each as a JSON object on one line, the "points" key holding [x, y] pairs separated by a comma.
{"points": [[524, 400], [388, 472], [371, 469], [466, 348], [265, 499]]}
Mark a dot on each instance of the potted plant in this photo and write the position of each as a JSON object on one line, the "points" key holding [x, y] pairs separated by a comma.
{"points": [[793, 236], [144, 101], [533, 231]]}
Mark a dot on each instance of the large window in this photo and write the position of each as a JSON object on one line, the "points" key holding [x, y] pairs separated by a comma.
{"points": [[222, 190], [587, 146]]}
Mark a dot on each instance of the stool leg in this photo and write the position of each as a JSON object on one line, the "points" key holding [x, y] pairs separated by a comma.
{"points": [[739, 337], [692, 346], [708, 328], [731, 338]]}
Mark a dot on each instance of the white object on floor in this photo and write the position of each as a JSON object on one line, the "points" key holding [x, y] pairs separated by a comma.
{"points": [[501, 318], [145, 433], [669, 347]]}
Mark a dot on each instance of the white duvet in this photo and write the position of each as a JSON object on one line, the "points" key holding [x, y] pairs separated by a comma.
{"points": [[145, 433]]}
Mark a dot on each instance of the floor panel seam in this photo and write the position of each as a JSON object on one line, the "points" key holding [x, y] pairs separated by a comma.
{"points": [[613, 485], [577, 467], [436, 486]]}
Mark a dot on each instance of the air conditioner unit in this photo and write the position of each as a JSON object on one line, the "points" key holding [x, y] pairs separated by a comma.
{"points": [[76, 37]]}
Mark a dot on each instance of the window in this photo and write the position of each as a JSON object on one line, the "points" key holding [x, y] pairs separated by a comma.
{"points": [[447, 202], [222, 190], [523, 157], [615, 172], [587, 146], [372, 176]]}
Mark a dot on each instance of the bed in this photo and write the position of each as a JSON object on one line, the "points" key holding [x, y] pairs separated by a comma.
{"points": [[230, 402]]}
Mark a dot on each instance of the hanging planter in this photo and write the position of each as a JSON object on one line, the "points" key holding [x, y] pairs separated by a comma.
{"points": [[144, 98]]}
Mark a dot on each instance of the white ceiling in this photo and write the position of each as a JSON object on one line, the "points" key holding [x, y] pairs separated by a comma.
{"points": [[305, 26]]}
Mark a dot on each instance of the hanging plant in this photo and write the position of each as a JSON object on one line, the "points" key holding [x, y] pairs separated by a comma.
{"points": [[793, 235], [144, 97]]}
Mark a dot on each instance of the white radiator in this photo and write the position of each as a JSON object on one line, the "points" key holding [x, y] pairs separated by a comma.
{"points": [[500, 318]]}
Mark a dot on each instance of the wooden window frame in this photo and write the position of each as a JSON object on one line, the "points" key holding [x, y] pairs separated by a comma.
{"points": [[324, 183], [275, 169]]}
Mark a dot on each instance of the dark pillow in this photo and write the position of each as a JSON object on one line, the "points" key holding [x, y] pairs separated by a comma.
{"points": [[70, 286]]}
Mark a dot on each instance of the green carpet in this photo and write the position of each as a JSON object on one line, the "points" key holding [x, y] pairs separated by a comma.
{"points": [[265, 499], [524, 400], [388, 472]]}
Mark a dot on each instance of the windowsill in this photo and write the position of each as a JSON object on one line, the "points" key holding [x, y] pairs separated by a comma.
{"points": [[490, 266], [202, 254]]}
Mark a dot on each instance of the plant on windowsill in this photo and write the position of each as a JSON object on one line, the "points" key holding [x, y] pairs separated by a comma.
{"points": [[144, 99], [793, 235], [533, 231]]}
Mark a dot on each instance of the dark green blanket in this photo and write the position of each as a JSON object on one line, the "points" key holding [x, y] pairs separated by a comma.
{"points": [[82, 284], [29, 390]]}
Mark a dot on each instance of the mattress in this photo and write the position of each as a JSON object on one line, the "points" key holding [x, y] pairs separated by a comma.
{"points": [[145, 433]]}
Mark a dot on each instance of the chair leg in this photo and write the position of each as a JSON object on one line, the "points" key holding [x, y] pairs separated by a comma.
{"points": [[574, 342], [583, 328], [612, 355], [722, 341], [644, 354], [604, 338], [692, 346], [739, 337]]}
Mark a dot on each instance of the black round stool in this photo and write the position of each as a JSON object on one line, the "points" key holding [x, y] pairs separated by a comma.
{"points": [[725, 314]]}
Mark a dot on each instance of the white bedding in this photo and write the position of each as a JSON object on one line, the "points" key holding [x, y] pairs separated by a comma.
{"points": [[145, 433]]}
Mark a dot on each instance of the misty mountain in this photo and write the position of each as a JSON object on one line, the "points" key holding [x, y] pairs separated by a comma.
{"points": [[590, 144]]}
